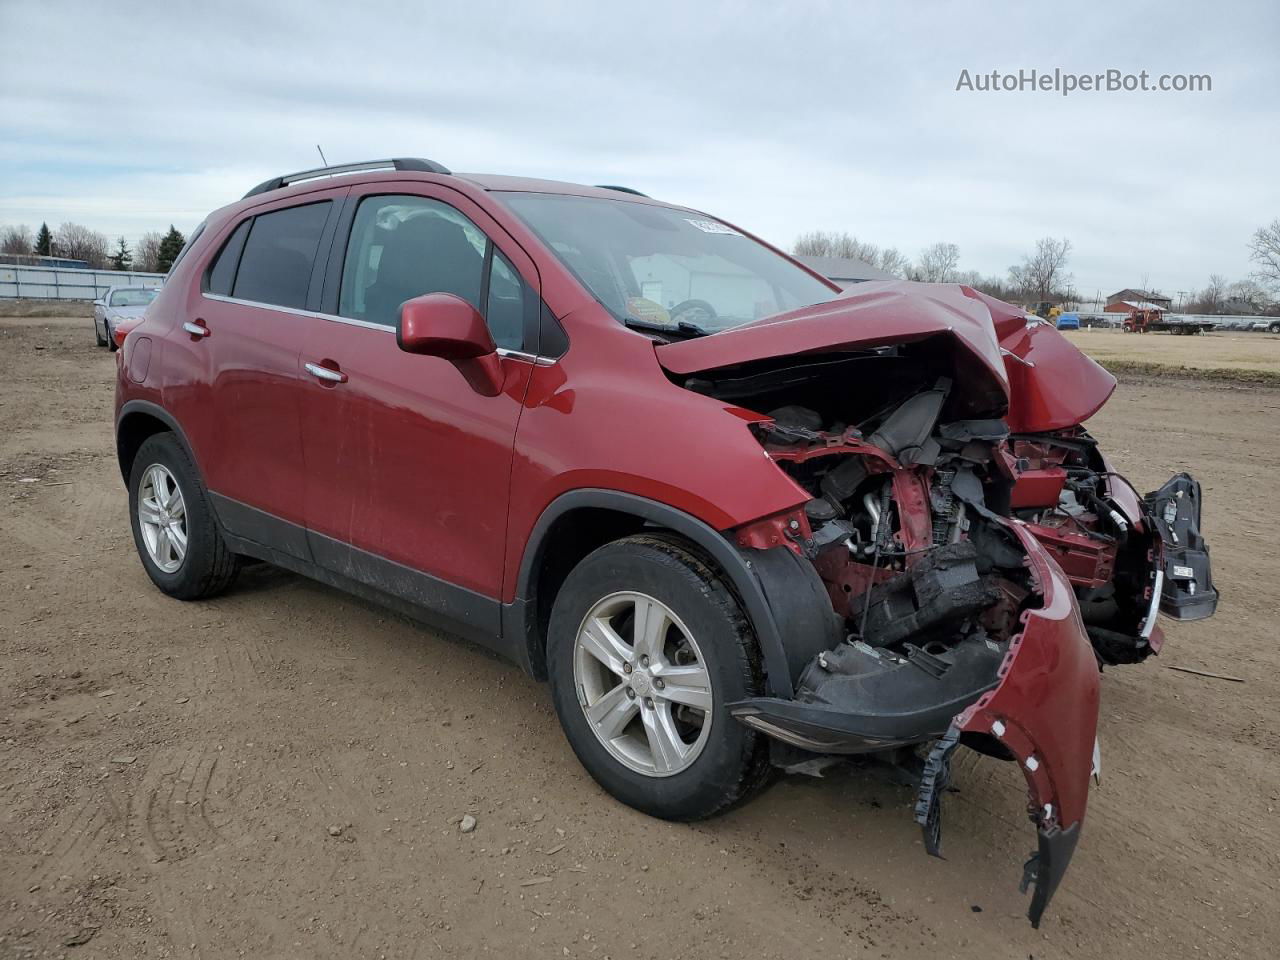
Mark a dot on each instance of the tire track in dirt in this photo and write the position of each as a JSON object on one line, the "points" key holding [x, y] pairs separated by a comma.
{"points": [[171, 813]]}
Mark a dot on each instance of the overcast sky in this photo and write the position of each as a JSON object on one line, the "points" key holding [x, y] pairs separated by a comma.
{"points": [[779, 117]]}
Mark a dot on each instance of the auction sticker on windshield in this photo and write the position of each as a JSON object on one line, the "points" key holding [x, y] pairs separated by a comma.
{"points": [[710, 226]]}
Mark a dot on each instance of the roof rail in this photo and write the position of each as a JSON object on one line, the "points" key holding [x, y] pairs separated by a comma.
{"points": [[631, 190], [400, 163]]}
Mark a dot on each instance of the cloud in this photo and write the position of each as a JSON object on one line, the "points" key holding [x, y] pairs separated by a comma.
{"points": [[780, 118]]}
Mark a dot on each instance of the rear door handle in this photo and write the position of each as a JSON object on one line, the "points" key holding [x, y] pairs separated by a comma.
{"points": [[326, 373], [196, 329]]}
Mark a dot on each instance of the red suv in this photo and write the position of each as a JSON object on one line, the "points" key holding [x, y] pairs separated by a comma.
{"points": [[735, 516]]}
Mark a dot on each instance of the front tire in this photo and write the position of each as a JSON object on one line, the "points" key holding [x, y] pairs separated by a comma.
{"points": [[111, 340], [174, 527], [98, 336], [647, 644]]}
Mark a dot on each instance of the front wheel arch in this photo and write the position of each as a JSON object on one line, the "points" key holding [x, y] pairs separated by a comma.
{"points": [[761, 579]]}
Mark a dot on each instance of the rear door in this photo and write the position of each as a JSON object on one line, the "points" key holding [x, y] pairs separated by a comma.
{"points": [[407, 467], [238, 396]]}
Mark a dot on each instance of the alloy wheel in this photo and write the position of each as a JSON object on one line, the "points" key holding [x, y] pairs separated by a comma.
{"points": [[162, 518], [643, 684]]}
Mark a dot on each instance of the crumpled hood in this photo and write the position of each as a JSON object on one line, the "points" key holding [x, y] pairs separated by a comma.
{"points": [[126, 311], [1044, 381]]}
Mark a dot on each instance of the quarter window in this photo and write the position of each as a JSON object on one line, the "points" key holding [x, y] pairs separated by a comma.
{"points": [[222, 275], [505, 309], [279, 255]]}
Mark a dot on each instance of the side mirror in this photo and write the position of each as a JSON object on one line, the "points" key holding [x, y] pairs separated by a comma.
{"points": [[99, 302], [446, 326]]}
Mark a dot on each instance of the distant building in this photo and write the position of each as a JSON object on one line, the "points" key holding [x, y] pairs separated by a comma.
{"points": [[1238, 307], [1122, 300], [52, 263], [845, 271]]}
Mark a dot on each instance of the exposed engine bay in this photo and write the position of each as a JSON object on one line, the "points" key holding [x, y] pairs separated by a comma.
{"points": [[961, 561]]}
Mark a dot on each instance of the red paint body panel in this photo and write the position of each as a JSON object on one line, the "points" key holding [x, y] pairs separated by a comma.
{"points": [[872, 314], [1053, 385], [1048, 697], [404, 460]]}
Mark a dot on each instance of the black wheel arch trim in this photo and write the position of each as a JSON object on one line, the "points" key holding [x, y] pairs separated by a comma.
{"points": [[761, 580], [159, 413]]}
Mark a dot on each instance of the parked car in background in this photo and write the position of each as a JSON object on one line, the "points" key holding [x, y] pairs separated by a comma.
{"points": [[734, 515], [1069, 321], [119, 304], [1266, 326]]}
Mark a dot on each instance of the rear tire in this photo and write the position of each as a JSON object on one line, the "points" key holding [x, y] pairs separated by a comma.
{"points": [[711, 761], [206, 566]]}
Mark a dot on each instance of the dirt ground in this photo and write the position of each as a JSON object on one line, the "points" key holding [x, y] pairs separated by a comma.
{"points": [[280, 772], [1228, 349]]}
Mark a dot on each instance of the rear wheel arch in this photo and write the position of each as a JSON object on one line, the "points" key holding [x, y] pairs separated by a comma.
{"points": [[138, 420], [580, 521]]}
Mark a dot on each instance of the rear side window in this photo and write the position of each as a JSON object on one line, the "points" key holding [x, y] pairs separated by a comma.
{"points": [[222, 275], [279, 254]]}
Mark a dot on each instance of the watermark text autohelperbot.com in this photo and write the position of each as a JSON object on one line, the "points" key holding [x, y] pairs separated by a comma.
{"points": [[1065, 83]]}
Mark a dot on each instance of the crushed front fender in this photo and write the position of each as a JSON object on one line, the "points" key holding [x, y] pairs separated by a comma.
{"points": [[1043, 713]]}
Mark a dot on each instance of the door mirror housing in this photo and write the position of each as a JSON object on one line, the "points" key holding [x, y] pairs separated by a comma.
{"points": [[446, 326], [99, 302]]}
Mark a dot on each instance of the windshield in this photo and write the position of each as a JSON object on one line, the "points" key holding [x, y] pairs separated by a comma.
{"points": [[664, 268], [134, 297]]}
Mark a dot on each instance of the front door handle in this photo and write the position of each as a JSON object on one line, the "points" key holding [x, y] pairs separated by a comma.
{"points": [[325, 373], [197, 329]]}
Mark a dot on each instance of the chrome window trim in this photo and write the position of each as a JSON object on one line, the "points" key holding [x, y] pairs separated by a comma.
{"points": [[367, 325]]}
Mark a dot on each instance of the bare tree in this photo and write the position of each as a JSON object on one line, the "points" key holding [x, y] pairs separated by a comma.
{"points": [[18, 239], [1247, 296], [1264, 250], [938, 263], [1215, 293], [1042, 275], [891, 260], [830, 243], [80, 243], [146, 253]]}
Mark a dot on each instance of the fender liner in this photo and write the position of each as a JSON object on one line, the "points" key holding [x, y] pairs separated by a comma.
{"points": [[778, 590]]}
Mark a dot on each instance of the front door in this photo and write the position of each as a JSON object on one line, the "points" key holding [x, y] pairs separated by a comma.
{"points": [[407, 467]]}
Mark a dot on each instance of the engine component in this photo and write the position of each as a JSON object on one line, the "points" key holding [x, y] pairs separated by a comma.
{"points": [[932, 596]]}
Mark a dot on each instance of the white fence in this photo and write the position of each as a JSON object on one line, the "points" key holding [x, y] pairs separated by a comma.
{"points": [[44, 283]]}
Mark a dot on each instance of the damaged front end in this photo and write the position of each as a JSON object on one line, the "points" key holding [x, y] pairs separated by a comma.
{"points": [[1128, 557], [956, 624], [952, 622], [957, 522]]}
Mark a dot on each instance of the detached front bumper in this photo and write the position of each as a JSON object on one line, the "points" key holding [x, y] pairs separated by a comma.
{"points": [[1044, 713], [1035, 703]]}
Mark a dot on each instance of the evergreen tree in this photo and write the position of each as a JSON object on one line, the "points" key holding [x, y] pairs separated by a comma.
{"points": [[170, 246], [44, 242], [122, 259]]}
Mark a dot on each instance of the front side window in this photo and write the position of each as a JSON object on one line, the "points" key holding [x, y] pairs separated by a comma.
{"points": [[404, 246], [279, 254], [664, 268], [132, 297]]}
